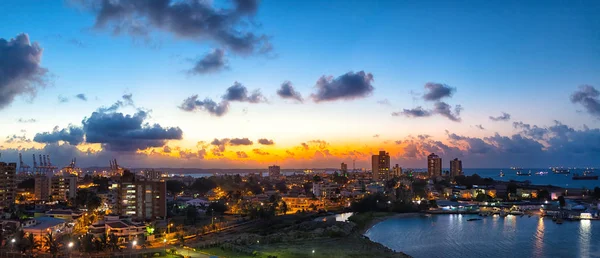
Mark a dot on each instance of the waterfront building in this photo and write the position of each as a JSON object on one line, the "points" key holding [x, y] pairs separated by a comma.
{"points": [[325, 189], [380, 166], [41, 226], [63, 187], [344, 169], [396, 170], [123, 228], [434, 165], [141, 198], [8, 185], [456, 167], [41, 188], [274, 171], [152, 174], [302, 203]]}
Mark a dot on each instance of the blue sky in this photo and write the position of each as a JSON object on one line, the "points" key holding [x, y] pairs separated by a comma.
{"points": [[520, 57]]}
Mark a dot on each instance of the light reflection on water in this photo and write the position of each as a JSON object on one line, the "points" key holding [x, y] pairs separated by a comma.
{"points": [[454, 236]]}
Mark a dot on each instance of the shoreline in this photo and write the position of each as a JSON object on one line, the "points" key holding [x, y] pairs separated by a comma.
{"points": [[372, 218]]}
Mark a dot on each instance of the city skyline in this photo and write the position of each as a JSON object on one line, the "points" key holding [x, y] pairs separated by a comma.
{"points": [[244, 87]]}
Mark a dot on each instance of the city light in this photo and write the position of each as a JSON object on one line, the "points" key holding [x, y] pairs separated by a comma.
{"points": [[13, 240], [70, 244]]}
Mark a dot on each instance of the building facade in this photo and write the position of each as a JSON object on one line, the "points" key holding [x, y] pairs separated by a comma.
{"points": [[397, 170], [274, 171], [63, 188], [434, 165], [42, 187], [380, 166], [142, 198], [344, 169], [456, 167], [8, 184]]}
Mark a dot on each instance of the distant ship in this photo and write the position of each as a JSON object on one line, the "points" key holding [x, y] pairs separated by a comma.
{"points": [[501, 173], [520, 173], [587, 175], [557, 170]]}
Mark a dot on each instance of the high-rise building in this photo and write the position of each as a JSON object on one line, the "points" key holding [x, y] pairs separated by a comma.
{"points": [[456, 167], [434, 165], [8, 184], [152, 174], [42, 187], [381, 166], [63, 187], [344, 168], [397, 170], [274, 171], [142, 198]]}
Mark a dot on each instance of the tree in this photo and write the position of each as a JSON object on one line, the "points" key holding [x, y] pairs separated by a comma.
{"points": [[191, 214], [544, 195], [31, 243], [203, 185], [482, 197], [113, 242], [51, 243], [174, 186], [284, 207], [561, 201], [88, 199], [216, 207], [596, 192]]}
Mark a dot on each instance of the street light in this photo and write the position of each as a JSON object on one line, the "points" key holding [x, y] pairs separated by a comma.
{"points": [[12, 244], [165, 242], [70, 245]]}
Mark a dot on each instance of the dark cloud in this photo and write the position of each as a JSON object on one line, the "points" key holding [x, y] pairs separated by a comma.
{"points": [[480, 127], [25, 120], [290, 153], [260, 152], [442, 108], [167, 149], [534, 131], [474, 145], [265, 141], [415, 112], [17, 139], [240, 141], [437, 91], [72, 134], [503, 117], [376, 136], [238, 92], [81, 96], [192, 20], [193, 104], [241, 154], [20, 70], [304, 146], [127, 100], [588, 97], [346, 87], [126, 133], [211, 63], [287, 91]]}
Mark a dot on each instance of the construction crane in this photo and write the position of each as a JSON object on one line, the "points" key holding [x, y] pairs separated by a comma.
{"points": [[23, 168]]}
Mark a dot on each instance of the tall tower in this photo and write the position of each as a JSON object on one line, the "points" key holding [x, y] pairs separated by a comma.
{"points": [[380, 166], [456, 167], [434, 165], [344, 168]]}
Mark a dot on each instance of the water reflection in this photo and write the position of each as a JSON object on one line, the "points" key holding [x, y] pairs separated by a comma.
{"points": [[538, 250], [454, 236], [585, 231]]}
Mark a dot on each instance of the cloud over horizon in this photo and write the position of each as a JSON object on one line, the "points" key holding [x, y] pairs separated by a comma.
{"points": [[504, 117], [287, 91]]}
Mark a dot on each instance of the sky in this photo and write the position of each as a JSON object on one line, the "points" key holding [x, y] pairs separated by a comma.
{"points": [[302, 84]]}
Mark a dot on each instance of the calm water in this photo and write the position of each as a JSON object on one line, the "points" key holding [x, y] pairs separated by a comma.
{"points": [[454, 236], [562, 180]]}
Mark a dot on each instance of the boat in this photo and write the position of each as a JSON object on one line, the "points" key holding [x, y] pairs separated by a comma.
{"points": [[587, 175], [559, 221], [520, 173], [501, 173], [558, 170], [473, 219]]}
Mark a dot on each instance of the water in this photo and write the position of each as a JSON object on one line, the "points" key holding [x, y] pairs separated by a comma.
{"points": [[562, 180], [454, 236]]}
